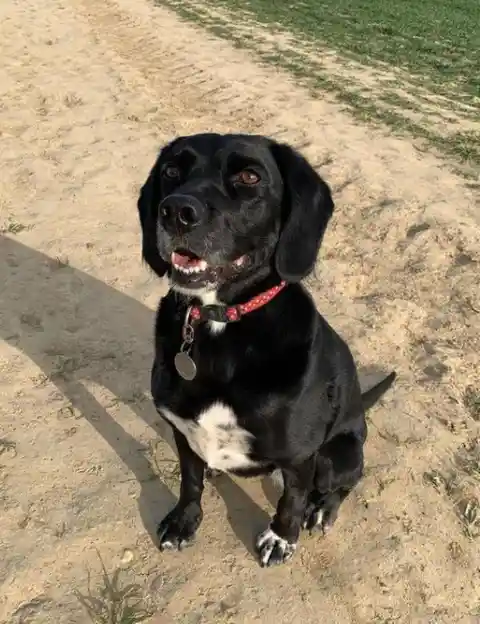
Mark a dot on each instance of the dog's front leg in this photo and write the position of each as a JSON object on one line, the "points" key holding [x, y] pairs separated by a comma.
{"points": [[278, 543], [178, 528]]}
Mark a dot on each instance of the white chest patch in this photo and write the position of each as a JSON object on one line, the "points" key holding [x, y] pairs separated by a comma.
{"points": [[216, 437]]}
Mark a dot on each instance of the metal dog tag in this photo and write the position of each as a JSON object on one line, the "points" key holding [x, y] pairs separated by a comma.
{"points": [[185, 366]]}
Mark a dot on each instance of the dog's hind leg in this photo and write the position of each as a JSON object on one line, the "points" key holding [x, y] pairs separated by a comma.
{"points": [[339, 467]]}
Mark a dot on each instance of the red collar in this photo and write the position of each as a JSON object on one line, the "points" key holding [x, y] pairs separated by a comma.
{"points": [[183, 361], [230, 314]]}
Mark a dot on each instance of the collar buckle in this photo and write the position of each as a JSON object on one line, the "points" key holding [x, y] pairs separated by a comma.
{"points": [[220, 313]]}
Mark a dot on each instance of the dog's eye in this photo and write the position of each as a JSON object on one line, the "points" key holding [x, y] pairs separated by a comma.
{"points": [[172, 172], [247, 177]]}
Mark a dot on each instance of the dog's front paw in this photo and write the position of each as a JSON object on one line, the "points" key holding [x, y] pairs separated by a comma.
{"points": [[273, 549], [321, 515], [177, 530]]}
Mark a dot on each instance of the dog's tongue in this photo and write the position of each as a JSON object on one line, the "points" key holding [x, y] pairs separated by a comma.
{"points": [[183, 260]]}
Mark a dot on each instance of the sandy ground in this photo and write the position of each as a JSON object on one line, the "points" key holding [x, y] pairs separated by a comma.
{"points": [[89, 91]]}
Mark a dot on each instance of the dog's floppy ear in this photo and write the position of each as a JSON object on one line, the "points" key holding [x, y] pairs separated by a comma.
{"points": [[147, 205], [306, 210]]}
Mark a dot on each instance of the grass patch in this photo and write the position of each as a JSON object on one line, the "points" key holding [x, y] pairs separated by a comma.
{"points": [[13, 227], [8, 446], [438, 40], [460, 483], [435, 102], [111, 602], [471, 400], [168, 469]]}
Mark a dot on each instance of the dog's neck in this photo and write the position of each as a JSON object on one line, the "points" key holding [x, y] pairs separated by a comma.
{"points": [[248, 286], [210, 297], [234, 298]]}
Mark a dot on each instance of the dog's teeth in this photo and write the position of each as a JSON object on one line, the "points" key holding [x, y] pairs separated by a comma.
{"points": [[196, 268]]}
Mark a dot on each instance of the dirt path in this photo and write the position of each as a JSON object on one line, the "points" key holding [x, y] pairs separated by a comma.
{"points": [[89, 90]]}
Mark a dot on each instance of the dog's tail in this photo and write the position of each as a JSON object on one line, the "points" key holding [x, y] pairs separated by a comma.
{"points": [[372, 395]]}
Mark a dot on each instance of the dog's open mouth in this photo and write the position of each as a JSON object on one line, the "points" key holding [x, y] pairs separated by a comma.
{"points": [[190, 270], [188, 263]]}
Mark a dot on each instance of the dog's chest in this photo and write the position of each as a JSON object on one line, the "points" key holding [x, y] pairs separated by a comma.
{"points": [[216, 437]]}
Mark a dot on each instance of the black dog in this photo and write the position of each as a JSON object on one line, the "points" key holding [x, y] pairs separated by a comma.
{"points": [[247, 372]]}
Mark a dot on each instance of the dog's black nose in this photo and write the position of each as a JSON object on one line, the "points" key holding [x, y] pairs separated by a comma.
{"points": [[181, 213]]}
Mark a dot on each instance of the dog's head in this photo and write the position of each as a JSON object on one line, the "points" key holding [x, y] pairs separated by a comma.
{"points": [[222, 209]]}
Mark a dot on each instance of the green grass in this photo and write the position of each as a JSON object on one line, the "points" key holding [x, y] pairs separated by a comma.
{"points": [[439, 40], [423, 59]]}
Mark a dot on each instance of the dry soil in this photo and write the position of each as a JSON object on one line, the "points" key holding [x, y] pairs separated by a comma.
{"points": [[89, 92]]}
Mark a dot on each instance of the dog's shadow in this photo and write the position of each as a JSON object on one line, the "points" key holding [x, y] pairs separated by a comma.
{"points": [[80, 331]]}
